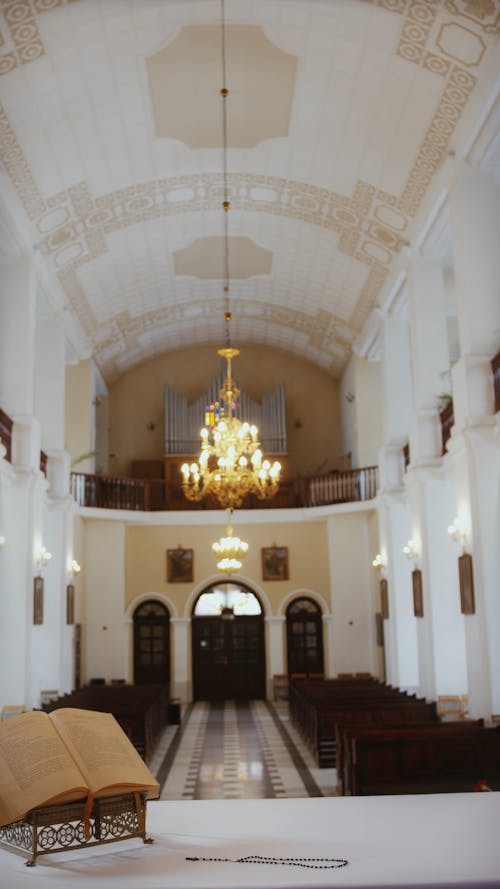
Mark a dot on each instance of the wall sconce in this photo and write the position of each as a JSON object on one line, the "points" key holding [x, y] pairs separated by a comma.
{"points": [[43, 557], [411, 551], [75, 567], [3, 541], [378, 561], [457, 532]]}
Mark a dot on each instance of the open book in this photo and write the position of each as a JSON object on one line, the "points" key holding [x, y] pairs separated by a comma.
{"points": [[68, 754]]}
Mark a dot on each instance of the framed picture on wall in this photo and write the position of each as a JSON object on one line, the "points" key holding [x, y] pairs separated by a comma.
{"points": [[418, 599], [179, 565], [466, 582], [38, 600], [70, 604], [274, 562], [384, 598]]}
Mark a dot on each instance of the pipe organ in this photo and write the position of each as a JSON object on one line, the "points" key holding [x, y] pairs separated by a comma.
{"points": [[183, 421]]}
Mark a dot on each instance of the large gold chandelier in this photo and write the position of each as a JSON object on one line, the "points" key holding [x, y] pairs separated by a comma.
{"points": [[231, 463]]}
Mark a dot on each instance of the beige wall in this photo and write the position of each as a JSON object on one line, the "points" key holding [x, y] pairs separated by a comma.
{"points": [[312, 410], [124, 562], [145, 560]]}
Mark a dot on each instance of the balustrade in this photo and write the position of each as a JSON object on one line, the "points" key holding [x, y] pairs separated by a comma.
{"points": [[6, 434], [110, 492]]}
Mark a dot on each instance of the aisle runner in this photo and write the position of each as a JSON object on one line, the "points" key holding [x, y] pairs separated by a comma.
{"points": [[232, 750], [181, 778]]}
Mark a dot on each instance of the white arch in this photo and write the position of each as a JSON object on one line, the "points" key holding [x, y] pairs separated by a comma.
{"points": [[213, 579], [144, 597], [300, 594]]}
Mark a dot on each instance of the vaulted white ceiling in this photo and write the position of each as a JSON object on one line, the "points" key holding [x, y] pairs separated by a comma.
{"points": [[341, 114]]}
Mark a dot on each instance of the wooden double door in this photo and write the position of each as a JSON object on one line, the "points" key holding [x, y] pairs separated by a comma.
{"points": [[151, 644], [228, 658]]}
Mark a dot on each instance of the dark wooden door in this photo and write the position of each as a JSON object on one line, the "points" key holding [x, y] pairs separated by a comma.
{"points": [[228, 658], [151, 644], [304, 630]]}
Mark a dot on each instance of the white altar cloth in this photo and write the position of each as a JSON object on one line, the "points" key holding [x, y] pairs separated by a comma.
{"points": [[445, 840]]}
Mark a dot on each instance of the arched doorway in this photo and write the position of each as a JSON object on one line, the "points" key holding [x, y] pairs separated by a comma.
{"points": [[304, 637], [151, 644], [228, 644]]}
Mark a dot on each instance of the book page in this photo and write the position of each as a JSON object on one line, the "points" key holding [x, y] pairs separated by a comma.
{"points": [[107, 759], [35, 767]]}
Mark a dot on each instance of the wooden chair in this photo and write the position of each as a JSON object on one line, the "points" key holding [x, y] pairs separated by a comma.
{"points": [[362, 675], [280, 687], [9, 710], [345, 675], [452, 706]]}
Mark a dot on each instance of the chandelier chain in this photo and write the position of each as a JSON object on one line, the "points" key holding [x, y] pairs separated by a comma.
{"points": [[231, 465], [226, 202]]}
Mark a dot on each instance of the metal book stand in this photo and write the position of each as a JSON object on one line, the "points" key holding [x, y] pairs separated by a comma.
{"points": [[61, 828]]}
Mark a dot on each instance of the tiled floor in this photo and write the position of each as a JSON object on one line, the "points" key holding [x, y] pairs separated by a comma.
{"points": [[237, 750]]}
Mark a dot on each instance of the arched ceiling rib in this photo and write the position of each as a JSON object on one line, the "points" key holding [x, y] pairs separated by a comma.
{"points": [[340, 115]]}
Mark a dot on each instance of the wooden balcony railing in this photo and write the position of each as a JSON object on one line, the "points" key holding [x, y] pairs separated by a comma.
{"points": [[406, 457], [111, 492], [495, 367], [6, 425], [342, 487], [447, 421]]}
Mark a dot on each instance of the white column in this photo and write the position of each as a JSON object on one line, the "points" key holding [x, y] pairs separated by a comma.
{"points": [[17, 335], [400, 642], [429, 354], [397, 399], [476, 459], [328, 648], [275, 649], [181, 683], [400, 632], [440, 632], [22, 484], [474, 213]]}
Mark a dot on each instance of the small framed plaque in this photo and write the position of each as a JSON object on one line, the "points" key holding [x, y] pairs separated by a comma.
{"points": [[466, 581], [70, 604], [180, 565], [384, 598], [38, 600], [418, 599], [274, 562]]}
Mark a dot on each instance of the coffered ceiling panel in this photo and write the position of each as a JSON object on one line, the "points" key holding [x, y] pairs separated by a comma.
{"points": [[340, 115]]}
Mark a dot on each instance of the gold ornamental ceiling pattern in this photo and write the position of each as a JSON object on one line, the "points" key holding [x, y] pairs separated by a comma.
{"points": [[366, 225]]}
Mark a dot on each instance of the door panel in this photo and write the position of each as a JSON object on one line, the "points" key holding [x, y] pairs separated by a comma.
{"points": [[151, 644], [304, 637], [228, 658]]}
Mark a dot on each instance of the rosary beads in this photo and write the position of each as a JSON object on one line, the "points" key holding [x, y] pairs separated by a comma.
{"points": [[268, 859]]}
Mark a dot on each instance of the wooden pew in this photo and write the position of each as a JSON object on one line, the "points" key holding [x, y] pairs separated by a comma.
{"points": [[449, 758], [316, 710], [141, 710]]}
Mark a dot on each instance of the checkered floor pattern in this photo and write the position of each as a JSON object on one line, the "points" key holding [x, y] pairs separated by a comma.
{"points": [[237, 750]]}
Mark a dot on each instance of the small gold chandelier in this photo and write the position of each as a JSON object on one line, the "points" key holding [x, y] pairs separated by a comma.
{"points": [[231, 463], [230, 550]]}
